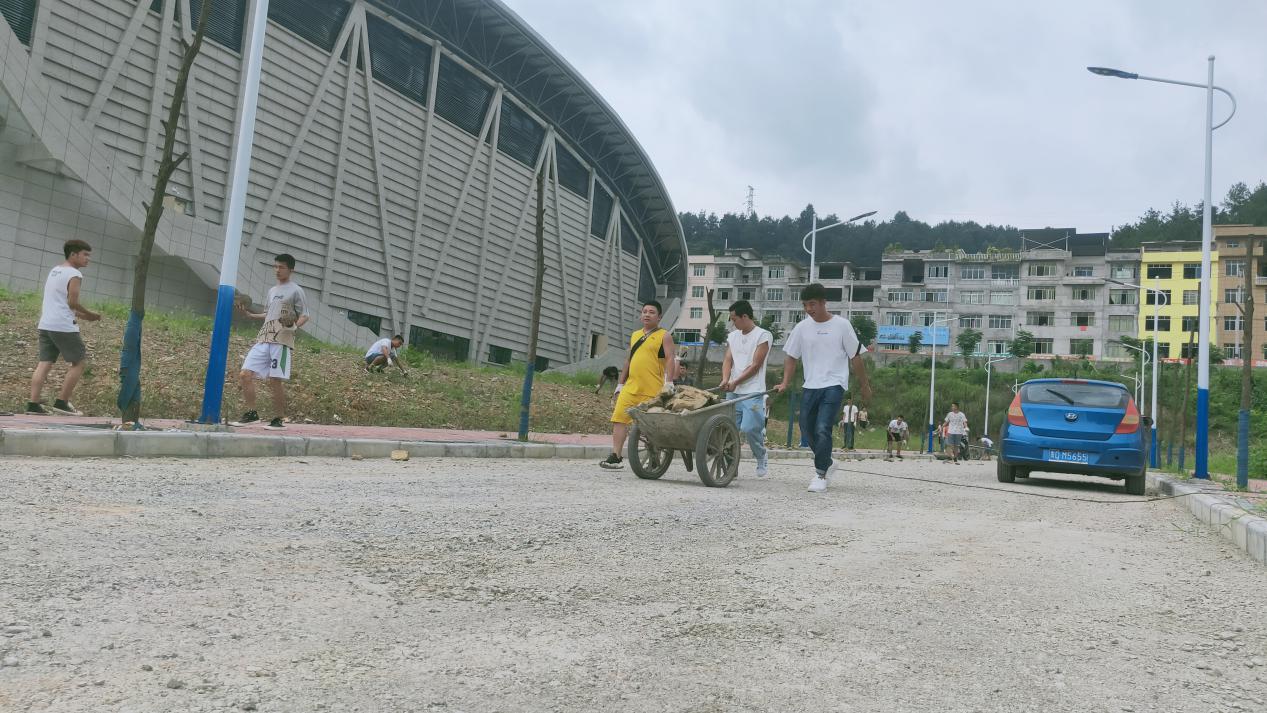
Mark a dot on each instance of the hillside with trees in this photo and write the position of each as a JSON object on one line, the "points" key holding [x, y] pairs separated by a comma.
{"points": [[864, 243]]}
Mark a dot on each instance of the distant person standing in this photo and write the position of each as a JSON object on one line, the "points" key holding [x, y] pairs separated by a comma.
{"points": [[270, 358], [743, 374], [384, 353], [895, 437], [59, 329], [830, 349], [864, 421], [956, 425], [849, 423]]}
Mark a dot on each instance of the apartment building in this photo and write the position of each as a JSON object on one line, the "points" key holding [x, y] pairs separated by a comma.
{"points": [[1059, 286], [773, 285], [1174, 268], [1232, 243]]}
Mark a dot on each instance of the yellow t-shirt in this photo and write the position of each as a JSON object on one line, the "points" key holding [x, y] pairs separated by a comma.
{"points": [[646, 368]]}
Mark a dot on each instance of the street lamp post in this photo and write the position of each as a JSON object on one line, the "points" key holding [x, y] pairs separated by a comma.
{"points": [[989, 362], [812, 237], [1207, 229], [1159, 300], [932, 380], [1139, 382]]}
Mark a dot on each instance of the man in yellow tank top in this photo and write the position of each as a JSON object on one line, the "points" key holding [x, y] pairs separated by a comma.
{"points": [[649, 365]]}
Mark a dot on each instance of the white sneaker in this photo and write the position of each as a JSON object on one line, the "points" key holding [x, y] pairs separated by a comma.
{"points": [[818, 484], [762, 471], [831, 469]]}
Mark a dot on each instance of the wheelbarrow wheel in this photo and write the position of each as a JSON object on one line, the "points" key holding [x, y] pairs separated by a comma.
{"points": [[717, 451], [647, 462]]}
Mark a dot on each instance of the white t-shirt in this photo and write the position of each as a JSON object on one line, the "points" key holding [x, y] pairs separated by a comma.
{"points": [[849, 414], [896, 426], [743, 347], [378, 348], [824, 349], [956, 423], [56, 315]]}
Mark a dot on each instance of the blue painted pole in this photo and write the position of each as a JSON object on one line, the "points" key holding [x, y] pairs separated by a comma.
{"points": [[793, 413], [1152, 455], [525, 402], [1242, 448], [931, 428], [1203, 441], [239, 173]]}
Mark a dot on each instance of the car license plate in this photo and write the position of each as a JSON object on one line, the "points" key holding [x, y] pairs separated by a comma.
{"points": [[1060, 456]]}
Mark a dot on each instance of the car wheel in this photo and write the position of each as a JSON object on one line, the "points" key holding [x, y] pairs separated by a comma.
{"points": [[1006, 473], [1135, 484]]}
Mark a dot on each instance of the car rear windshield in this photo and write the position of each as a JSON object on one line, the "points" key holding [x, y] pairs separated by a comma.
{"points": [[1061, 394]]}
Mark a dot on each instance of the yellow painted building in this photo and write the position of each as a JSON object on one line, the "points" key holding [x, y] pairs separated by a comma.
{"points": [[1175, 268]]}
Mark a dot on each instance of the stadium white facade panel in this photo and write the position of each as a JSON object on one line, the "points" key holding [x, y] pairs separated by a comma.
{"points": [[396, 153]]}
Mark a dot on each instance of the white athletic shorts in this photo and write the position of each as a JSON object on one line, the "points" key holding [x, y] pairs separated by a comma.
{"points": [[268, 361]]}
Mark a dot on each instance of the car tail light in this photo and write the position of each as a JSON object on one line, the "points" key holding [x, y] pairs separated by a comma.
{"points": [[1016, 416], [1130, 421]]}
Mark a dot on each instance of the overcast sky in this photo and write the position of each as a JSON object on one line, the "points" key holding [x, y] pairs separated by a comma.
{"points": [[961, 110]]}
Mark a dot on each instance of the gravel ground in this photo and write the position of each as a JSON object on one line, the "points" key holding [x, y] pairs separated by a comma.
{"points": [[500, 585]]}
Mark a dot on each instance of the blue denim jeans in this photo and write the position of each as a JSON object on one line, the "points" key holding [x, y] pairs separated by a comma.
{"points": [[750, 417], [819, 409], [849, 433]]}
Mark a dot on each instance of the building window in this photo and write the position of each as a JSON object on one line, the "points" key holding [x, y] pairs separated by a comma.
{"points": [[972, 297], [1040, 319], [520, 136], [1115, 350], [1002, 298], [1232, 244], [746, 294], [1159, 271], [224, 22], [1163, 350], [859, 315], [1041, 294], [686, 336], [1233, 296], [1189, 324], [573, 175], [1189, 351], [775, 272], [1121, 323], [774, 294], [1123, 297], [438, 344], [1151, 297], [1000, 321], [1234, 268], [972, 272], [900, 295], [1232, 351], [371, 322], [1044, 346], [461, 97], [835, 294], [1083, 294], [995, 346], [726, 273], [776, 316], [1084, 319], [699, 270], [1192, 271], [319, 22], [935, 295], [927, 319], [498, 355], [1005, 272], [752, 276], [831, 272], [601, 214], [723, 295], [1234, 323], [697, 313], [697, 291], [1083, 271], [1042, 269], [1082, 347], [941, 271], [1191, 297], [1124, 272], [1163, 324], [898, 319], [970, 321]]}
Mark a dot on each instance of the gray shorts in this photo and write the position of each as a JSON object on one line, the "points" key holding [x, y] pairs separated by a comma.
{"points": [[67, 345], [955, 439]]}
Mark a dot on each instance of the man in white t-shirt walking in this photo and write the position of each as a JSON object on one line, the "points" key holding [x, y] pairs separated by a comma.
{"points": [[743, 374], [383, 353], [828, 346], [59, 329], [849, 423], [956, 424]]}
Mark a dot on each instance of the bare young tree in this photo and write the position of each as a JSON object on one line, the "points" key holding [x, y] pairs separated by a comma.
{"points": [[129, 400]]}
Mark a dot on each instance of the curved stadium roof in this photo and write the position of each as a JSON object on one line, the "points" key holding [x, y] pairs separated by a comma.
{"points": [[492, 37]]}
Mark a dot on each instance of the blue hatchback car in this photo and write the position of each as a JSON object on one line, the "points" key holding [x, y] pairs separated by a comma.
{"points": [[1074, 426]]}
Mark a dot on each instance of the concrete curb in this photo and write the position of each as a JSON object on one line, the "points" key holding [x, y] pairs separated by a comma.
{"points": [[187, 444], [1245, 530]]}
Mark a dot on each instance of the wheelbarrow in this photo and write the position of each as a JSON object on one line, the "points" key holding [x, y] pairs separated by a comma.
{"points": [[707, 437]]}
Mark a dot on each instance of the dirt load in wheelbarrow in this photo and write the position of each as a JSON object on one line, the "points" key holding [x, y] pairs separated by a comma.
{"points": [[699, 425]]}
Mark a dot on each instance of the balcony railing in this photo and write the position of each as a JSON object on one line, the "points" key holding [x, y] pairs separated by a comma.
{"points": [[1005, 281]]}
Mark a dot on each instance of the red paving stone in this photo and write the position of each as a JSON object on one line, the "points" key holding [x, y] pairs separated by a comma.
{"points": [[319, 430]]}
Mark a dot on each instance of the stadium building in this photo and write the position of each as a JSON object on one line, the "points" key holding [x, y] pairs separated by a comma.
{"points": [[396, 153]]}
